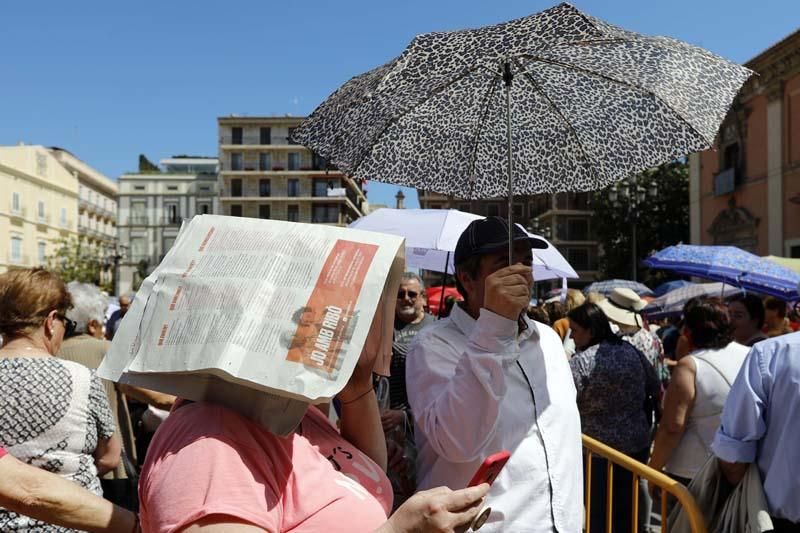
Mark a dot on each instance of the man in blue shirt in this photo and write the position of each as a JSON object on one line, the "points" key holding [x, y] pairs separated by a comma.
{"points": [[761, 424]]}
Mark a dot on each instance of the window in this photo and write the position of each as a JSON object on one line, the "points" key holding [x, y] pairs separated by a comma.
{"points": [[15, 202], [172, 213], [236, 161], [138, 187], [41, 254], [518, 211], [264, 188], [236, 135], [236, 210], [138, 213], [294, 188], [16, 250], [579, 258], [63, 217], [205, 188], [294, 161], [464, 208], [321, 187], [293, 213], [40, 211], [236, 187], [265, 136], [492, 210], [172, 187], [138, 249], [326, 214], [204, 209], [264, 161], [578, 229], [290, 135], [263, 211], [794, 251]]}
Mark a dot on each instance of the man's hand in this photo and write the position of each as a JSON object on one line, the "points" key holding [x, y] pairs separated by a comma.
{"points": [[392, 418], [508, 291], [439, 510]]}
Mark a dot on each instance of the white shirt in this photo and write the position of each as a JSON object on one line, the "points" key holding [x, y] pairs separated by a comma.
{"points": [[470, 399]]}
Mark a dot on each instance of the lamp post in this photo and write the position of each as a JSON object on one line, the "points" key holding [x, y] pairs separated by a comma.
{"points": [[114, 253], [629, 195]]}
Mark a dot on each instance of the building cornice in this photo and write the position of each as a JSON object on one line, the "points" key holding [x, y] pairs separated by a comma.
{"points": [[39, 181], [773, 67]]}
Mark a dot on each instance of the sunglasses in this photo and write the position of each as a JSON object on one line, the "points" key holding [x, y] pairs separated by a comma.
{"points": [[69, 325], [402, 294]]}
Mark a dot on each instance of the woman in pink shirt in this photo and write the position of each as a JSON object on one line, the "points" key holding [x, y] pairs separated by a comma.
{"points": [[212, 469]]}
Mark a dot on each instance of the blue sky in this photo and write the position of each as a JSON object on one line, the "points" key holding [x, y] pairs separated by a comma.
{"points": [[110, 80]]}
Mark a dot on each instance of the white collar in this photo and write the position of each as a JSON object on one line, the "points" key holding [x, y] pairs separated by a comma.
{"points": [[466, 324]]}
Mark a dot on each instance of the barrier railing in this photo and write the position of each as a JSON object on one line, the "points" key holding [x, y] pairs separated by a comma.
{"points": [[639, 471]]}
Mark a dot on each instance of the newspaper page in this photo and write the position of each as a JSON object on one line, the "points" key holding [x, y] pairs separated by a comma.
{"points": [[269, 305]]}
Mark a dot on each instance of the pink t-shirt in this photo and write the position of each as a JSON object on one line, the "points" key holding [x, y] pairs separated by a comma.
{"points": [[2, 452], [207, 460]]}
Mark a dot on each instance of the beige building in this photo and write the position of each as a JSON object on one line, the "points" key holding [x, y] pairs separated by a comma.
{"points": [[152, 207], [263, 174], [38, 205], [97, 203], [563, 218]]}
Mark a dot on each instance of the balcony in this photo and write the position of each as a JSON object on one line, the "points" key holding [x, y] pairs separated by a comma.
{"points": [[171, 221], [43, 219], [17, 259], [18, 211], [138, 220]]}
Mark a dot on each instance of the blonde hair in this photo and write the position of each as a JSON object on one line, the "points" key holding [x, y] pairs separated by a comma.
{"points": [[26, 297], [594, 297], [575, 298]]}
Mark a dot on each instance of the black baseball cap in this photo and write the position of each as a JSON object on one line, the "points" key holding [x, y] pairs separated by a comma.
{"points": [[489, 235]]}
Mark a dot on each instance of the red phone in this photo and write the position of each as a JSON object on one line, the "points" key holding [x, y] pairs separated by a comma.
{"points": [[490, 468]]}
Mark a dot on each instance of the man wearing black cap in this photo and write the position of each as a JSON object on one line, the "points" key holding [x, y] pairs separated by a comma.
{"points": [[488, 379]]}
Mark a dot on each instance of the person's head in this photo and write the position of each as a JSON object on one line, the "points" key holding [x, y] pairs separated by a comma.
{"points": [[706, 324], [595, 297], [746, 314], [88, 308], [410, 298], [304, 316], [124, 303], [482, 250], [33, 305], [774, 311], [538, 314], [623, 307], [555, 311], [574, 299], [589, 326]]}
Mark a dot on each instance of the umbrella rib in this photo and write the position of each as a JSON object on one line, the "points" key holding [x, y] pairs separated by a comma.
{"points": [[625, 83], [485, 111], [563, 118], [399, 116]]}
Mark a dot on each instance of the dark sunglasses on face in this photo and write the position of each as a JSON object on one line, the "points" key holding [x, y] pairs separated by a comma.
{"points": [[69, 325], [402, 294]]}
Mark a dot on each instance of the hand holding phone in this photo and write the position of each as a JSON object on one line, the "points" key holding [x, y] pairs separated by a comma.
{"points": [[490, 468]]}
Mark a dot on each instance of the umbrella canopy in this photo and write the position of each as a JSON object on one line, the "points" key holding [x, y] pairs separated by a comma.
{"points": [[606, 286], [435, 297], [431, 236], [671, 304], [670, 286], [558, 101], [728, 264], [788, 262]]}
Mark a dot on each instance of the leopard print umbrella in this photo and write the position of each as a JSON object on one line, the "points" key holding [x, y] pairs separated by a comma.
{"points": [[590, 103]]}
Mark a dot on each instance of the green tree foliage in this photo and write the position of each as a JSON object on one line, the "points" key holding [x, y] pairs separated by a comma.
{"points": [[74, 260], [660, 222], [146, 166]]}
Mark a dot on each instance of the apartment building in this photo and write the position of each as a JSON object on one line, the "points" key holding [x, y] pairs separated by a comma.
{"points": [[264, 174], [562, 218], [97, 202], [38, 205], [152, 206]]}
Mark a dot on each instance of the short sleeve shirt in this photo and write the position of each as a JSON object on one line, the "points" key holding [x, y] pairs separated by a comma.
{"points": [[209, 460]]}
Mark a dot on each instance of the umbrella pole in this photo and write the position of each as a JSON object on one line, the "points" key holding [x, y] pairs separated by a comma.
{"points": [[507, 77], [444, 281]]}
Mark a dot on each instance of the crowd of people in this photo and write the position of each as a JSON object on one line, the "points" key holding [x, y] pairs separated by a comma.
{"points": [[396, 453]]}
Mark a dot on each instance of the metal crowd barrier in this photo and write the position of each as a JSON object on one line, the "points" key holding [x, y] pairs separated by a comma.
{"points": [[639, 470]]}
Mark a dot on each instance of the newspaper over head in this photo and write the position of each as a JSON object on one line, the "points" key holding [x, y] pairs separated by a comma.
{"points": [[262, 316]]}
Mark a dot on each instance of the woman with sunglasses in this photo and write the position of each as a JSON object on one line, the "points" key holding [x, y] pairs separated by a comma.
{"points": [[54, 414]]}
